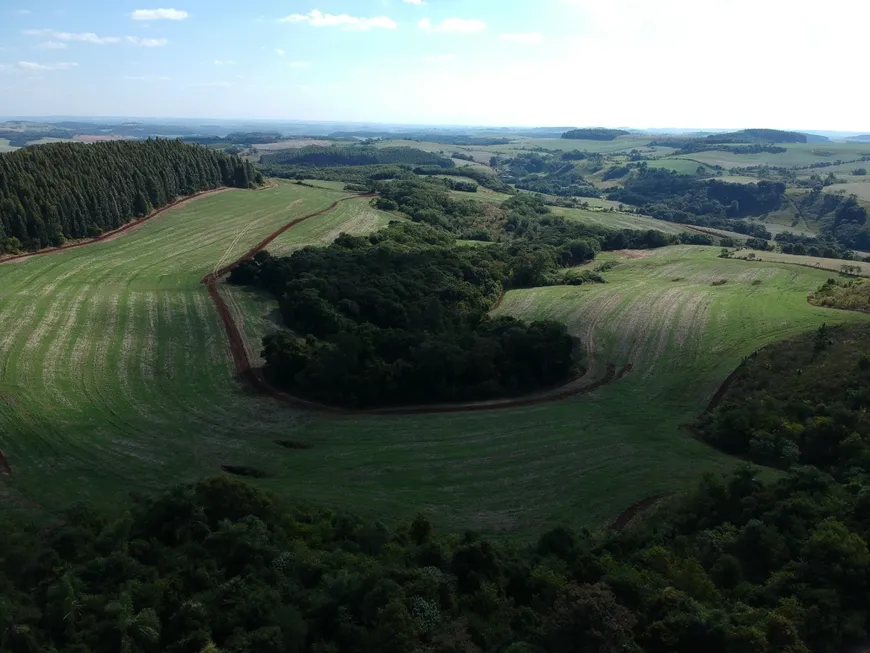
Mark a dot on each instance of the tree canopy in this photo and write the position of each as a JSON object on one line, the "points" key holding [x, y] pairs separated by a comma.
{"points": [[49, 193]]}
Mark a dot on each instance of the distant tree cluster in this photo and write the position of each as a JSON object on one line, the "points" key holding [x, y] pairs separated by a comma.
{"points": [[688, 200], [841, 219], [595, 134], [766, 135], [237, 138], [356, 155], [58, 191], [401, 318], [546, 173]]}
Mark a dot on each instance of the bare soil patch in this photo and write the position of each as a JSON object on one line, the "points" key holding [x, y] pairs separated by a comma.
{"points": [[633, 254]]}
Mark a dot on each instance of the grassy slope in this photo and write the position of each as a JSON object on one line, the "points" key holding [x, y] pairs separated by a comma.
{"points": [[115, 376], [616, 220], [114, 369], [581, 460], [798, 154]]}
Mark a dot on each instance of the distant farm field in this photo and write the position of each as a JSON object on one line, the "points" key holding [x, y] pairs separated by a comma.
{"points": [[800, 154], [616, 220], [115, 377]]}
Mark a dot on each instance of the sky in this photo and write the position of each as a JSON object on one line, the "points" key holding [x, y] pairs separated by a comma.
{"points": [[788, 64]]}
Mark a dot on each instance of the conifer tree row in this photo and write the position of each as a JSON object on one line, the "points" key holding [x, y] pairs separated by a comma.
{"points": [[58, 191]]}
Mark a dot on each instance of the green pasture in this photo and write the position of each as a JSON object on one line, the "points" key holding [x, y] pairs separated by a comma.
{"points": [[5, 146], [115, 377], [797, 154], [827, 264], [624, 143], [616, 220], [680, 165]]}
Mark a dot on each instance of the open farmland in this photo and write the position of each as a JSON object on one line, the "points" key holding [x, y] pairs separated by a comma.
{"points": [[830, 264], [617, 220], [5, 146], [797, 154], [115, 376]]}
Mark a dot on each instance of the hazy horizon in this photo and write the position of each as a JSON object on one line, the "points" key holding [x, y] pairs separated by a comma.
{"points": [[734, 63]]}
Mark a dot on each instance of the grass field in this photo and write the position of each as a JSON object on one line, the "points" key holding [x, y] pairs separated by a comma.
{"points": [[616, 220], [115, 376], [859, 186], [5, 146], [679, 165], [828, 264], [799, 154]]}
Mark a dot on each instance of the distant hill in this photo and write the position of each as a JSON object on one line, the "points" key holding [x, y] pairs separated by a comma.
{"points": [[595, 134], [766, 135], [863, 138]]}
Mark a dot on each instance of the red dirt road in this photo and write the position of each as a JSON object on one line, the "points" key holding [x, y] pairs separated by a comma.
{"points": [[255, 378]]}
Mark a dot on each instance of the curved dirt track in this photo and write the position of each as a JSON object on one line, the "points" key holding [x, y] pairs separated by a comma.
{"points": [[254, 377], [634, 510]]}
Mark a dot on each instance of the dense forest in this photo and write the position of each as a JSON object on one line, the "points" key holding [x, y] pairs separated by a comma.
{"points": [[545, 173], [595, 134], [401, 318], [736, 566], [357, 155], [765, 135], [766, 416], [687, 200], [236, 138], [58, 191]]}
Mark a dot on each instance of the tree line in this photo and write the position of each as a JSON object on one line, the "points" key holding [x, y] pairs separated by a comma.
{"points": [[735, 566], [60, 191], [356, 155], [666, 195], [595, 134]]}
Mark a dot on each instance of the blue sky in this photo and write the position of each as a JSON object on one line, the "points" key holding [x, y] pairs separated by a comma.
{"points": [[643, 63]]}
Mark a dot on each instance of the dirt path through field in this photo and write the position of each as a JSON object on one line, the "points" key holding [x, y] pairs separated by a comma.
{"points": [[254, 377]]}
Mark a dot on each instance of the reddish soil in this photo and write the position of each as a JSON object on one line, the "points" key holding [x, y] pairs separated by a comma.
{"points": [[111, 235], [256, 380], [634, 510]]}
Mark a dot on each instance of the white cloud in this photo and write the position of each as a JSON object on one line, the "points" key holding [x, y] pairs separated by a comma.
{"points": [[459, 25], [220, 62], [419, 3], [210, 85], [24, 12], [440, 58], [316, 18], [280, 52], [159, 14], [146, 43], [522, 37], [299, 64], [52, 45], [82, 37], [29, 65]]}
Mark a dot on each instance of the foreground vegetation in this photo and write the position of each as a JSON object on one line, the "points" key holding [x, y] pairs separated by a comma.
{"points": [[736, 566]]}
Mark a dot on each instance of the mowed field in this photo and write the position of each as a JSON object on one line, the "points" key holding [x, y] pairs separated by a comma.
{"points": [[115, 373], [115, 376], [796, 154]]}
